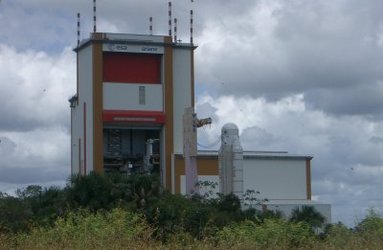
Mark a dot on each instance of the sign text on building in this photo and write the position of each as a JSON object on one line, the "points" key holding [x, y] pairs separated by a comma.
{"points": [[133, 48]]}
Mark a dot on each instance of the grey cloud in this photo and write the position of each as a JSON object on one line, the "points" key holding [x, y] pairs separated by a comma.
{"points": [[31, 19], [45, 150], [365, 100], [7, 146], [205, 110], [256, 138], [20, 19], [33, 174], [350, 205], [376, 140], [27, 27], [321, 49], [17, 122]]}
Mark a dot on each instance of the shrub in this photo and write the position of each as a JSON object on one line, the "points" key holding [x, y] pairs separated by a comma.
{"points": [[309, 215], [92, 192], [272, 233], [261, 216], [166, 214], [15, 215], [86, 230], [373, 223], [338, 235], [370, 230]]}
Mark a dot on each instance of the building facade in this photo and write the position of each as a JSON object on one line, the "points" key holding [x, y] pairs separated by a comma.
{"points": [[283, 179], [131, 94]]}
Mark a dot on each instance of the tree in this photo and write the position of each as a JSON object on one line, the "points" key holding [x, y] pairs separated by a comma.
{"points": [[372, 223], [250, 198], [309, 215], [15, 215]]}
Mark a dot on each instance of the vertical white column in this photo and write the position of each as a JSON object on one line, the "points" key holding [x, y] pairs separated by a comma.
{"points": [[190, 151], [231, 161]]}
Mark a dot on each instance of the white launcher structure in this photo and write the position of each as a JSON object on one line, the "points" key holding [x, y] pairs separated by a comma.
{"points": [[231, 161]]}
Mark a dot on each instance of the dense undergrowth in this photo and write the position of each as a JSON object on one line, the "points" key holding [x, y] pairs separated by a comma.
{"points": [[117, 212]]}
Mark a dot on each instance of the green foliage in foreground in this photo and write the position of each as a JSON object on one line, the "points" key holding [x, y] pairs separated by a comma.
{"points": [[86, 230], [309, 215], [273, 232], [120, 212], [121, 229]]}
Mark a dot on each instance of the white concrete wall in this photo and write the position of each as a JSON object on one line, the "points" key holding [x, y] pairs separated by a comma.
{"points": [[125, 96], [85, 67], [276, 178], [76, 133], [181, 92]]}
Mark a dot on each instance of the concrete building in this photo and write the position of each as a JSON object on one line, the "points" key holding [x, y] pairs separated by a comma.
{"points": [[127, 116], [283, 179], [131, 90]]}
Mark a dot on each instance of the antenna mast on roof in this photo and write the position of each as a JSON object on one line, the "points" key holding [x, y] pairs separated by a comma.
{"points": [[94, 16], [151, 25], [175, 30], [78, 29], [170, 18], [191, 25]]}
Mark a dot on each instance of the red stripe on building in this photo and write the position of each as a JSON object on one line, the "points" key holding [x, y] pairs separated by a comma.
{"points": [[131, 67], [122, 116]]}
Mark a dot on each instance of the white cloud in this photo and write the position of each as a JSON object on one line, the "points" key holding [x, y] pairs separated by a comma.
{"points": [[36, 87], [34, 129], [48, 147]]}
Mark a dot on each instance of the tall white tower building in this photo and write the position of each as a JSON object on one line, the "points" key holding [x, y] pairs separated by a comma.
{"points": [[131, 89]]}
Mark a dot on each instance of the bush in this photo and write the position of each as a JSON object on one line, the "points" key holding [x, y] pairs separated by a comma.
{"points": [[272, 233], [96, 192], [15, 215], [261, 216], [373, 223], [33, 205], [309, 215], [86, 230], [119, 212], [338, 235], [171, 214], [370, 229]]}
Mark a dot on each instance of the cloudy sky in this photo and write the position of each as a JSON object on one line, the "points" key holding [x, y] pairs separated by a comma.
{"points": [[297, 75]]}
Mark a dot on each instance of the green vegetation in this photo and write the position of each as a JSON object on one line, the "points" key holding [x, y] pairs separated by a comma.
{"points": [[120, 212], [309, 215]]}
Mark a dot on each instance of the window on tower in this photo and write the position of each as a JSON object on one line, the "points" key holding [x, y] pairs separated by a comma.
{"points": [[141, 95]]}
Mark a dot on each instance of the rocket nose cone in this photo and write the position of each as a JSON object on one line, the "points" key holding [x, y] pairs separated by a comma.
{"points": [[230, 128]]}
